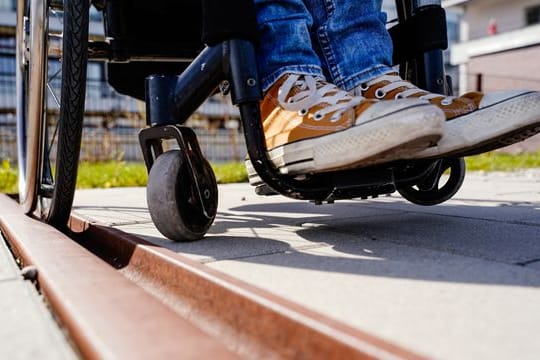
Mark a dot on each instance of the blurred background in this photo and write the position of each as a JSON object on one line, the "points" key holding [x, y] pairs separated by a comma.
{"points": [[494, 45]]}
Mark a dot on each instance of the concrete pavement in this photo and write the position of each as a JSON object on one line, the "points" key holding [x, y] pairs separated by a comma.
{"points": [[458, 280], [27, 329]]}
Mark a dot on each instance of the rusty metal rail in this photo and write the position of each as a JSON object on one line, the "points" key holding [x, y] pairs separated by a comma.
{"points": [[138, 300]]}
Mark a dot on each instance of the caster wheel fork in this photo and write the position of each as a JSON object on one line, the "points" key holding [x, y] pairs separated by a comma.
{"points": [[182, 192]]}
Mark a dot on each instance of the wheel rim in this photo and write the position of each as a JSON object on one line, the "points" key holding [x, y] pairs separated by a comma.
{"points": [[31, 29]]}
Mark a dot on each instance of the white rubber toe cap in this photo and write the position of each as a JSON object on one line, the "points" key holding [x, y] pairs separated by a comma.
{"points": [[495, 97]]}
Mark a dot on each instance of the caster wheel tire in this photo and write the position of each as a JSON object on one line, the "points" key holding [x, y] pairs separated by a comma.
{"points": [[178, 209], [437, 190]]}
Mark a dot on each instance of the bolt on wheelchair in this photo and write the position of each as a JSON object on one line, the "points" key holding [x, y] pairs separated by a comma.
{"points": [[155, 52]]}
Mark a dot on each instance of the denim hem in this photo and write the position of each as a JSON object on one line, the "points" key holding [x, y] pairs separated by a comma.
{"points": [[269, 80], [355, 80]]}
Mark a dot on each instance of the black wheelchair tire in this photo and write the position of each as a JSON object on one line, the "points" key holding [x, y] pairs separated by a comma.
{"points": [[51, 192], [171, 197]]}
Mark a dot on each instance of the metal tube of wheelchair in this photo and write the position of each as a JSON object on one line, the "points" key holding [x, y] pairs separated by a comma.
{"points": [[253, 132], [421, 3], [431, 74], [197, 82], [434, 74], [246, 93]]}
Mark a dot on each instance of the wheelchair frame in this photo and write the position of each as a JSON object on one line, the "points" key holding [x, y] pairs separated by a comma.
{"points": [[231, 66]]}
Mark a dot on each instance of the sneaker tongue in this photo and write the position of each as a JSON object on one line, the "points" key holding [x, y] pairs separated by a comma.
{"points": [[298, 88], [319, 84], [475, 96]]}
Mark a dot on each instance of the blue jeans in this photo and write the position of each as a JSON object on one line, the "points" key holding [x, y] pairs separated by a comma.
{"points": [[345, 41]]}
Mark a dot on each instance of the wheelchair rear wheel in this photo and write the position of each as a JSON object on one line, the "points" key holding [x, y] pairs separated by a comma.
{"points": [[440, 185], [52, 55]]}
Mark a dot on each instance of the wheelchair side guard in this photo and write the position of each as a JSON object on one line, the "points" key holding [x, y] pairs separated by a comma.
{"points": [[419, 40], [410, 38]]}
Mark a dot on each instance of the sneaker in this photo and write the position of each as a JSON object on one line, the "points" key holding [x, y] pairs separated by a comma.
{"points": [[476, 122], [313, 126]]}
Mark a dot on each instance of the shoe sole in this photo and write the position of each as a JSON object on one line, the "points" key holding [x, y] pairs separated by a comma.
{"points": [[382, 140], [389, 155], [488, 129]]}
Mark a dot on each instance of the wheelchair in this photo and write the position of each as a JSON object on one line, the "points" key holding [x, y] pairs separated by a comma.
{"points": [[154, 52]]}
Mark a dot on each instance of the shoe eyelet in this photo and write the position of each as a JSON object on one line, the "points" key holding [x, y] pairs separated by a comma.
{"points": [[399, 96], [317, 116], [336, 117], [379, 94], [364, 87], [446, 102], [302, 112]]}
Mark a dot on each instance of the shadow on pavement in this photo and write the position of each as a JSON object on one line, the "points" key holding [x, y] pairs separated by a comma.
{"points": [[491, 243]]}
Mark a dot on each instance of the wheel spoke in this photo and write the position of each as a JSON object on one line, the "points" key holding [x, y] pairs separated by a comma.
{"points": [[57, 102], [55, 98], [50, 145], [52, 141], [59, 14], [53, 76], [47, 179]]}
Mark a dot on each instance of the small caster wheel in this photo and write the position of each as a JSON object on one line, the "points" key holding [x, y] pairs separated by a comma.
{"points": [[436, 188], [182, 196]]}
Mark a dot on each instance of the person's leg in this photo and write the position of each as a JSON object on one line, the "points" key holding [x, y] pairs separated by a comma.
{"points": [[311, 125], [351, 40], [284, 45]]}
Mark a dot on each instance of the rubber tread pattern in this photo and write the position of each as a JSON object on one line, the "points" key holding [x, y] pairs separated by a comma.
{"points": [[74, 62]]}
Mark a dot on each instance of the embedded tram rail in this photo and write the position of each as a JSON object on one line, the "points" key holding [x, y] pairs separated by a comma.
{"points": [[119, 296]]}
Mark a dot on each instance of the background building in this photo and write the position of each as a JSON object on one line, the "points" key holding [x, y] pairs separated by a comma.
{"points": [[499, 44], [498, 49], [112, 120]]}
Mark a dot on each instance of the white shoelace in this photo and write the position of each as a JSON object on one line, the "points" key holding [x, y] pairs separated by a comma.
{"points": [[395, 82], [312, 93]]}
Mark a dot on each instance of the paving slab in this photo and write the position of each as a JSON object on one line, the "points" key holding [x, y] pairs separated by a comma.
{"points": [[8, 268], [27, 329], [458, 280]]}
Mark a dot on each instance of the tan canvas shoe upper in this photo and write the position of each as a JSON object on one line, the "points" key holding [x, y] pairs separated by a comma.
{"points": [[392, 86], [300, 107]]}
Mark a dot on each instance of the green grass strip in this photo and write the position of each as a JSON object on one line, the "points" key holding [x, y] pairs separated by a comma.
{"points": [[498, 161], [8, 178], [121, 174]]}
